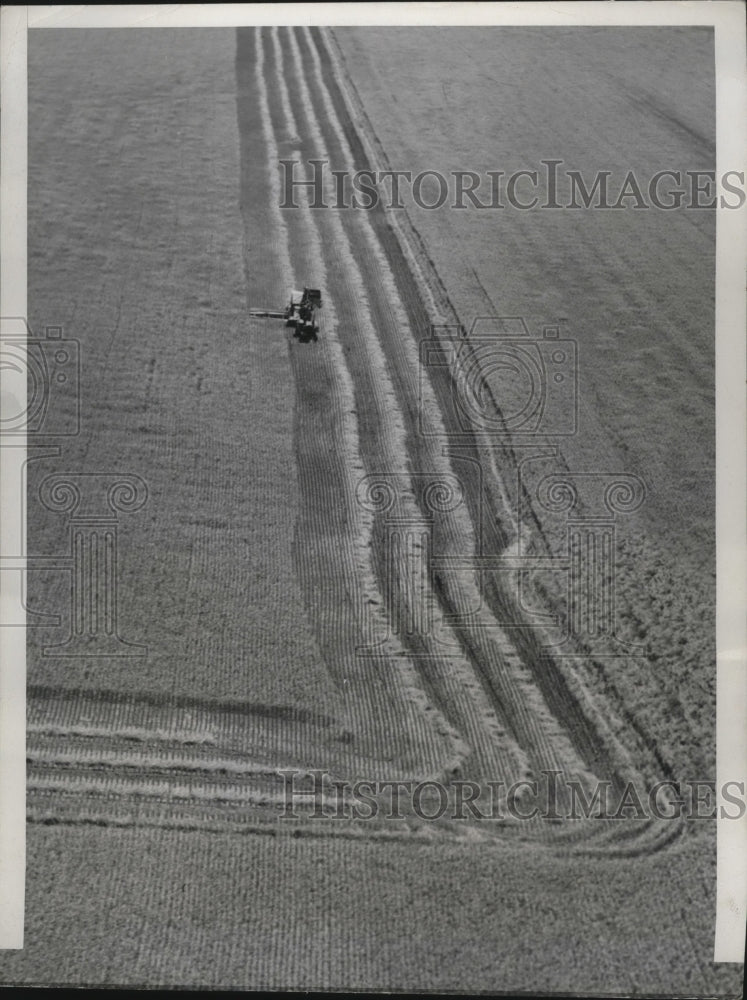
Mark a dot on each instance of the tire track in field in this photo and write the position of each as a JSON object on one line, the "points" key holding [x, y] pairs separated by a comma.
{"points": [[333, 532], [82, 780], [379, 421], [573, 715], [434, 305], [595, 757], [384, 438], [113, 760], [493, 658], [563, 689]]}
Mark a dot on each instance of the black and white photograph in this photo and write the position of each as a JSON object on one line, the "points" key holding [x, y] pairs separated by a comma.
{"points": [[373, 449]]}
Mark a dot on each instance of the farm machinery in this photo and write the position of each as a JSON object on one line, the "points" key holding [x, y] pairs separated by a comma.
{"points": [[299, 313]]}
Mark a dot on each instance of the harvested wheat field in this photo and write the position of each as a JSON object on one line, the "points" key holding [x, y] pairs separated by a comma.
{"points": [[279, 561]]}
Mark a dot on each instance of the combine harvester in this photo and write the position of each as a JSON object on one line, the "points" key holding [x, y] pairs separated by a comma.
{"points": [[299, 313]]}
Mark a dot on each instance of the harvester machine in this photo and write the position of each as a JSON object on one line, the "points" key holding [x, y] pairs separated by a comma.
{"points": [[299, 313]]}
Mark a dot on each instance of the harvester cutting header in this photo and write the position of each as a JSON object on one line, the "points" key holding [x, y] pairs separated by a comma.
{"points": [[299, 313]]}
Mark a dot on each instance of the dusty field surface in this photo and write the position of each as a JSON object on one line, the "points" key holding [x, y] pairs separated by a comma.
{"points": [[277, 572], [186, 909]]}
